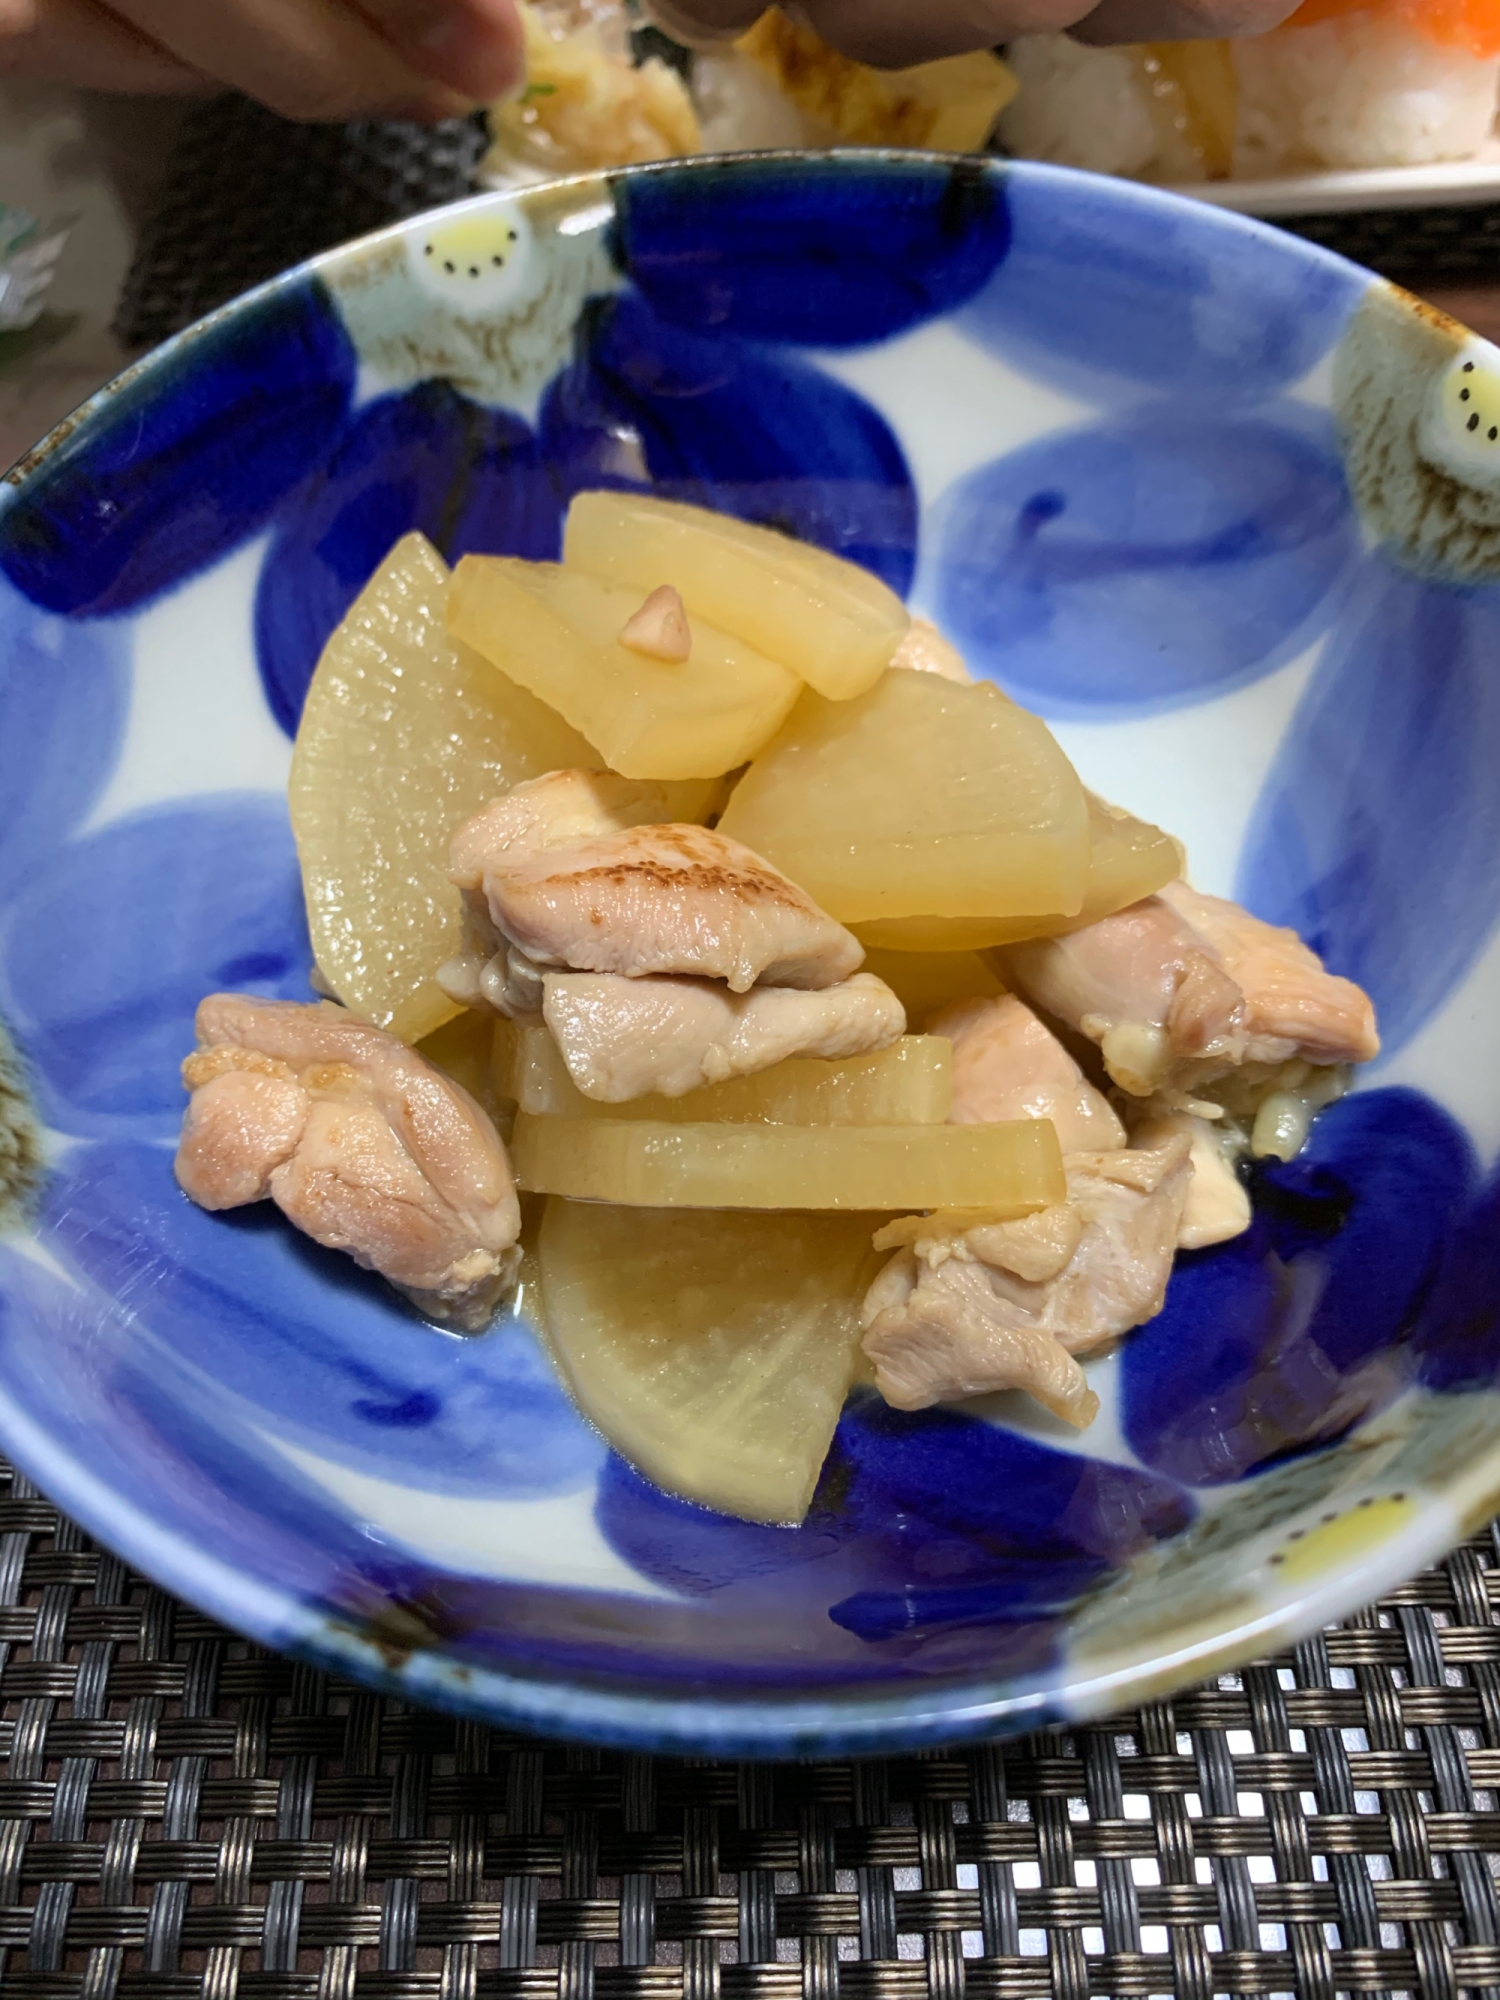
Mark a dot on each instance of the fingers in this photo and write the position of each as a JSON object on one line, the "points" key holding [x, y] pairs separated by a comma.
{"points": [[78, 42], [894, 33], [473, 46], [891, 34], [312, 59], [699, 24], [1180, 20]]}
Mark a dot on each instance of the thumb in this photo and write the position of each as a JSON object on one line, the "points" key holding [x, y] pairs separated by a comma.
{"points": [[701, 24]]}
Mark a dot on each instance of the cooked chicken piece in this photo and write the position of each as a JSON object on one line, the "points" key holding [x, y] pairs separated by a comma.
{"points": [[492, 975], [241, 1125], [624, 1038], [1140, 985], [1180, 989], [359, 1141], [997, 1305], [557, 810], [659, 899], [1035, 1247], [1218, 1203], [937, 1334], [1292, 1006], [926, 651], [1007, 1065]]}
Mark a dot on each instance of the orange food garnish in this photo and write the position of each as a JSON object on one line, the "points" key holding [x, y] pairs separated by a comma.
{"points": [[1470, 25]]}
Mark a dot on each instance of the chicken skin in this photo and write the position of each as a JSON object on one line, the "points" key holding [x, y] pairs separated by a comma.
{"points": [[643, 899], [1007, 1065], [1181, 989], [359, 1141], [661, 957]]}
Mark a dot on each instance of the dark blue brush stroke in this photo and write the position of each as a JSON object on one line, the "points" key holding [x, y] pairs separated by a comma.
{"points": [[1377, 832], [187, 461], [921, 1524], [813, 253], [1108, 292], [733, 425], [1291, 1334], [970, 1525], [1145, 562], [470, 478], [1457, 1343]]}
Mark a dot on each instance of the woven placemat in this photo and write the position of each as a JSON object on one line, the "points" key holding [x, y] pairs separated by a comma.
{"points": [[247, 194], [184, 1814], [1437, 245]]}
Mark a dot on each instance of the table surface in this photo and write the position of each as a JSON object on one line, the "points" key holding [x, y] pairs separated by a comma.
{"points": [[183, 1814]]}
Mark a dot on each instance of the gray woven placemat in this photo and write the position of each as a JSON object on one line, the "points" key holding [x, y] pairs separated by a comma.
{"points": [[246, 195], [184, 1814]]}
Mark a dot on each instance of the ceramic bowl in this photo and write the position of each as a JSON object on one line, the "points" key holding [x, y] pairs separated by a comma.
{"points": [[1224, 509]]}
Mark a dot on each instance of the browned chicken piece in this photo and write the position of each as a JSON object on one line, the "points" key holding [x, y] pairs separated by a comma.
{"points": [[1218, 1202], [1182, 988], [985, 1305], [624, 1038], [557, 810], [657, 899], [360, 1142], [1007, 1065]]}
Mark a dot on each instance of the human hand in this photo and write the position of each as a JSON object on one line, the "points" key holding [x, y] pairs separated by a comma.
{"points": [[892, 33], [312, 59]]}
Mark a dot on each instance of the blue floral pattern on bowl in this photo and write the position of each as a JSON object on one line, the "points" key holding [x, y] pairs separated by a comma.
{"points": [[1121, 447]]}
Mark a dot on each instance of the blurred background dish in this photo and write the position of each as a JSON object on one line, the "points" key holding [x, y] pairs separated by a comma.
{"points": [[1352, 103]]}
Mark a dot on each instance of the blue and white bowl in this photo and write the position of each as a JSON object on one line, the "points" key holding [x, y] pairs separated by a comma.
{"points": [[1209, 499]]}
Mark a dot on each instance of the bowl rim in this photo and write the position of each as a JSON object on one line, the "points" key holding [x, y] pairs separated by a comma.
{"points": [[763, 1723]]}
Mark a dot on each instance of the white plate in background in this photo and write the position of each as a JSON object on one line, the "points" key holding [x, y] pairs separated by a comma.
{"points": [[1453, 183]]}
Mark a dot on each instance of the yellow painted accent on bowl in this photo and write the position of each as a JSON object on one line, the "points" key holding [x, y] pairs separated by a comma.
{"points": [[1341, 1539]]}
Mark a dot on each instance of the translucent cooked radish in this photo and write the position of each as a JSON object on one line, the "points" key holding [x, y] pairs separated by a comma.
{"points": [[405, 733], [910, 1083], [1128, 859], [955, 936], [919, 798], [713, 1351], [463, 1048], [923, 980], [1016, 1168], [557, 632], [833, 623]]}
